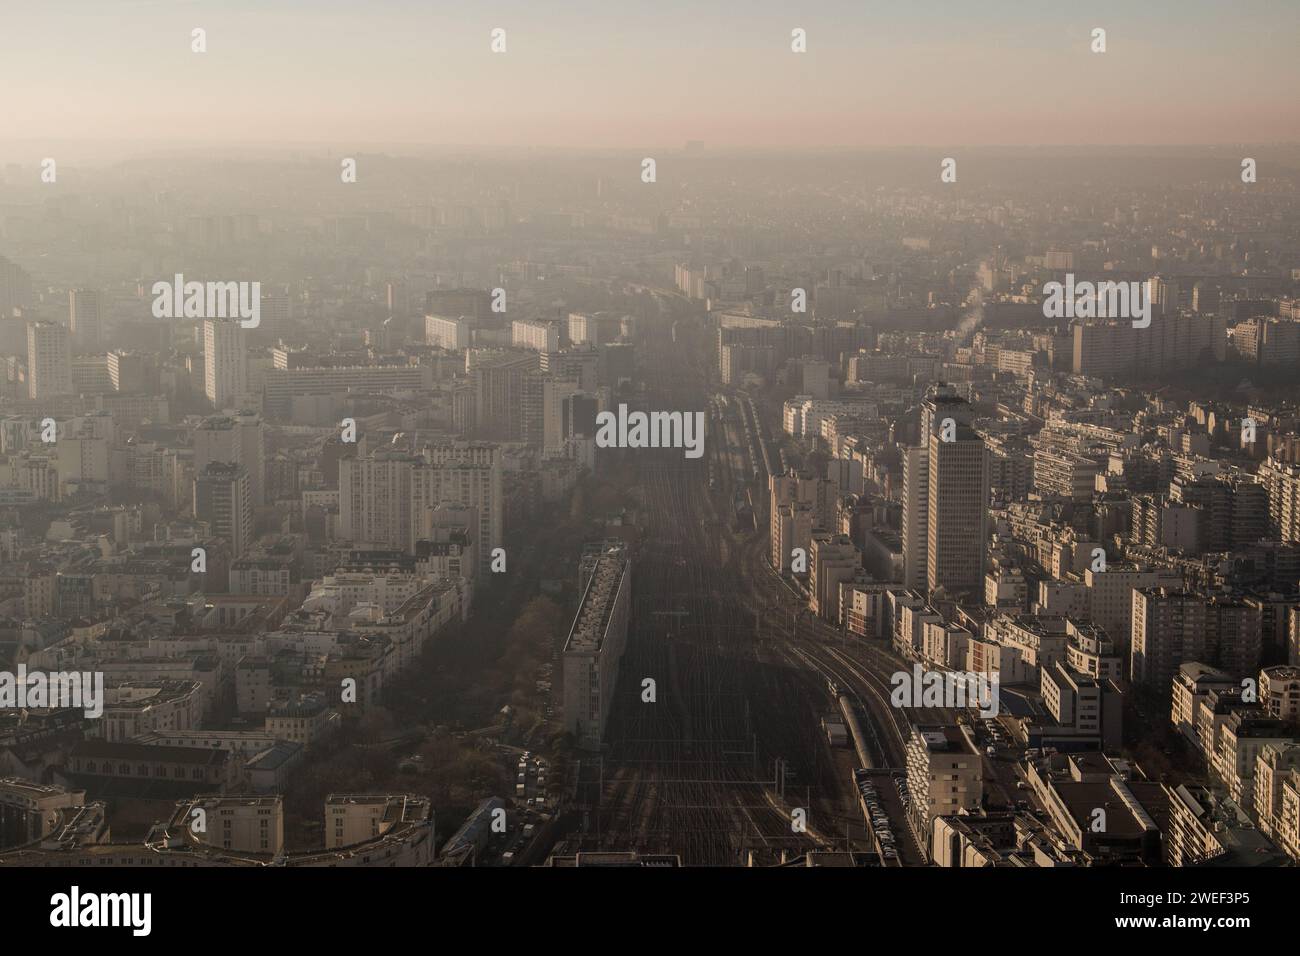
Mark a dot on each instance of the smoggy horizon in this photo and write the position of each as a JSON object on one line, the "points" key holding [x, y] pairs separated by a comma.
{"points": [[628, 76]]}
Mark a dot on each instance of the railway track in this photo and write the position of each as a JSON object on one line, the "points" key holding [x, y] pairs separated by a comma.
{"points": [[694, 772]]}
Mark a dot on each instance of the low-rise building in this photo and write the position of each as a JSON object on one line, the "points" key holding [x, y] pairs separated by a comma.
{"points": [[1206, 830]]}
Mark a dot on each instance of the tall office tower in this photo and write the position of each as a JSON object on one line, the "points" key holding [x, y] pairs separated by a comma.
{"points": [[1233, 509], [275, 314], [957, 516], [1281, 482], [945, 498], [221, 498], [240, 440], [916, 503], [580, 365], [817, 506], [595, 645], [1170, 627], [533, 425], [252, 442], [475, 485], [386, 498], [464, 411], [15, 288], [941, 403], [216, 440], [468, 473], [376, 499], [781, 490], [580, 411], [832, 558], [225, 361], [49, 360], [498, 379], [555, 398], [84, 319]]}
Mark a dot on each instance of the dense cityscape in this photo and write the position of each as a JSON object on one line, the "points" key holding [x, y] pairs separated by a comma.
{"points": [[395, 552], [883, 508]]}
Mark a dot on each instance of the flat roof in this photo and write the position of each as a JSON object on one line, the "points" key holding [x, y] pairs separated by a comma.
{"points": [[94, 747]]}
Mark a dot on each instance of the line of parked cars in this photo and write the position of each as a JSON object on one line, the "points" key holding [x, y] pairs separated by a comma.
{"points": [[876, 816]]}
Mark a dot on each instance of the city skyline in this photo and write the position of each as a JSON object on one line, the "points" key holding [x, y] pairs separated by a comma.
{"points": [[728, 437]]}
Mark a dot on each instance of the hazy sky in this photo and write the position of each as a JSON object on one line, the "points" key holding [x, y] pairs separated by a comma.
{"points": [[627, 73]]}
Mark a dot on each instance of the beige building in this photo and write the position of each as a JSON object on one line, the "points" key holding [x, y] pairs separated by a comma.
{"points": [[1110, 594], [945, 774], [225, 362], [49, 360], [792, 527], [1191, 685], [223, 498], [1286, 829], [833, 560], [305, 721], [1098, 807], [1279, 689], [240, 823], [957, 486], [452, 334], [1240, 739], [1203, 828], [355, 818], [387, 499], [1277, 771], [536, 335], [1169, 627], [31, 811], [393, 830]]}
